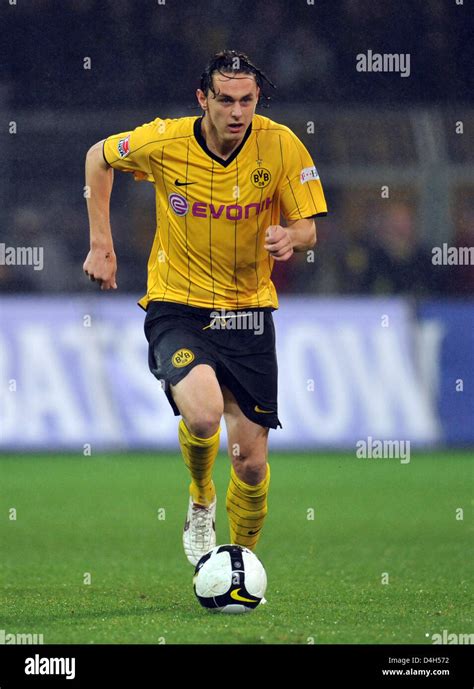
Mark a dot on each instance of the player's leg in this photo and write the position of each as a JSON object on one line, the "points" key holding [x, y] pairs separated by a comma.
{"points": [[250, 474], [181, 358], [199, 399]]}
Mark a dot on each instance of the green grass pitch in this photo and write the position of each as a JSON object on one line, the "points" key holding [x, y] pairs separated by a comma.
{"points": [[100, 515]]}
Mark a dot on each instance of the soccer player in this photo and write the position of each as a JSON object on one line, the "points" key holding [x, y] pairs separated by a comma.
{"points": [[222, 180]]}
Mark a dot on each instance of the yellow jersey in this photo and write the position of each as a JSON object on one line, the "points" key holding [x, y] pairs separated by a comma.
{"points": [[211, 213]]}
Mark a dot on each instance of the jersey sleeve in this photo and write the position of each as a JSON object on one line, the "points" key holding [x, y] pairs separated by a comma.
{"points": [[301, 191], [130, 151]]}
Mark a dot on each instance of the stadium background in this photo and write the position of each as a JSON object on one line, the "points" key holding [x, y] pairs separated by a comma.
{"points": [[374, 340]]}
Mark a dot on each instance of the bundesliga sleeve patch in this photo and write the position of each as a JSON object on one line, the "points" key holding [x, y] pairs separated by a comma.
{"points": [[124, 146], [308, 173]]}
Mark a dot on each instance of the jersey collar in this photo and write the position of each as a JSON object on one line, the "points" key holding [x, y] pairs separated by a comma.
{"points": [[202, 142]]}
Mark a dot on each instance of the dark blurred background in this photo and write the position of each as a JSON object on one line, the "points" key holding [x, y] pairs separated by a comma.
{"points": [[395, 154]]}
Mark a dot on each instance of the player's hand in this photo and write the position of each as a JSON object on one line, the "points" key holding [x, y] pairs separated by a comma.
{"points": [[101, 266], [278, 243]]}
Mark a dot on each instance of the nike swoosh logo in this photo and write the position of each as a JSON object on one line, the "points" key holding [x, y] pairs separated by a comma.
{"points": [[252, 533], [262, 411], [182, 184], [236, 596]]}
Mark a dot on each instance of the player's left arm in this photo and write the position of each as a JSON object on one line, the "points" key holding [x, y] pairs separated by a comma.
{"points": [[282, 242], [301, 200]]}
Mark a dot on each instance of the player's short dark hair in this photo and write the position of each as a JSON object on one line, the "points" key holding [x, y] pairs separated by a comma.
{"points": [[238, 63]]}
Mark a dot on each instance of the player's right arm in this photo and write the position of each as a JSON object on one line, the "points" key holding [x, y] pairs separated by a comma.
{"points": [[127, 152], [101, 262]]}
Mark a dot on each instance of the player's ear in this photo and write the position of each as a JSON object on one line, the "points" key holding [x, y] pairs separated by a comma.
{"points": [[201, 98]]}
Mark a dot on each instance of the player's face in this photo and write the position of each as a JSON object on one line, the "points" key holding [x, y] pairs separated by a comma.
{"points": [[231, 109]]}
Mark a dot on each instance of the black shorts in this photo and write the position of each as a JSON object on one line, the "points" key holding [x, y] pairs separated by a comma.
{"points": [[243, 358]]}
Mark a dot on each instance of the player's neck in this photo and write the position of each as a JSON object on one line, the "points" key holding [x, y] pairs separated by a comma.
{"points": [[220, 148]]}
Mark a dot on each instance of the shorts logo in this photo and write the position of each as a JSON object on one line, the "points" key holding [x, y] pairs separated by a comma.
{"points": [[262, 411], [260, 177], [124, 146], [182, 357], [308, 173], [179, 204]]}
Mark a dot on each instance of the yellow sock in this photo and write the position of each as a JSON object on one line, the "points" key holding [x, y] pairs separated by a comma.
{"points": [[199, 456], [246, 509]]}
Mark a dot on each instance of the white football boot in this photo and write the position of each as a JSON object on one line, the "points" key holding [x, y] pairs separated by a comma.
{"points": [[199, 534]]}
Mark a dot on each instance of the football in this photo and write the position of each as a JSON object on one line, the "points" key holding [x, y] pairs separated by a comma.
{"points": [[230, 579]]}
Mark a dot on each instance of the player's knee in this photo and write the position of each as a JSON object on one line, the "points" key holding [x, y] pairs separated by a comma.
{"points": [[250, 468], [204, 423]]}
